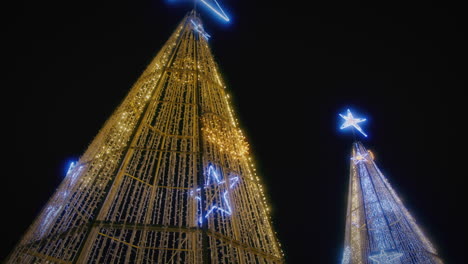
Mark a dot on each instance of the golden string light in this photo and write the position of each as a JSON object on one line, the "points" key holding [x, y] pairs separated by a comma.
{"points": [[141, 192]]}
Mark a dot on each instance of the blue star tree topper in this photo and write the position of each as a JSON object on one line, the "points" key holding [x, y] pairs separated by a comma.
{"points": [[350, 120]]}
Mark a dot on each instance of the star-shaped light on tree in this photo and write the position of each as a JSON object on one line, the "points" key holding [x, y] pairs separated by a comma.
{"points": [[358, 158], [224, 197], [385, 257], [351, 121]]}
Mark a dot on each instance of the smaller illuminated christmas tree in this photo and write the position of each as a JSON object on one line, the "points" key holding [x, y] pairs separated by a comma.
{"points": [[379, 229]]}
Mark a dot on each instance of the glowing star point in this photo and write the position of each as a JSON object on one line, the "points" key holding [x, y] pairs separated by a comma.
{"points": [[385, 257], [350, 120], [218, 11]]}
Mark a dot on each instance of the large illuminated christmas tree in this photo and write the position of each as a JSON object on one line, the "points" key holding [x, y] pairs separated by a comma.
{"points": [[168, 179], [379, 229]]}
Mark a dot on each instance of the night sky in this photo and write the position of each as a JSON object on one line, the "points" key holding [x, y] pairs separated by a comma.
{"points": [[290, 69]]}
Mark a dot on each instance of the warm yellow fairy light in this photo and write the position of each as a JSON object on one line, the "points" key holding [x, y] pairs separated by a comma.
{"points": [[139, 179]]}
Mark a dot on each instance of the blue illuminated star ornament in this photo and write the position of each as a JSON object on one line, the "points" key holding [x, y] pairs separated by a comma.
{"points": [[214, 179], [385, 257], [351, 121]]}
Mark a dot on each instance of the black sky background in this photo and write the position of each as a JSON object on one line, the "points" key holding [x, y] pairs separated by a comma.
{"points": [[290, 68]]}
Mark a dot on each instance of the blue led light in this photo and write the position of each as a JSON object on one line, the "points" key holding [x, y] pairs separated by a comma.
{"points": [[52, 211], [379, 232], [351, 121], [71, 166], [199, 29], [385, 257], [346, 256], [214, 179], [220, 13]]}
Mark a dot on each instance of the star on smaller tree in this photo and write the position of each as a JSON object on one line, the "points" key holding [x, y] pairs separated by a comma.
{"points": [[351, 121], [358, 158]]}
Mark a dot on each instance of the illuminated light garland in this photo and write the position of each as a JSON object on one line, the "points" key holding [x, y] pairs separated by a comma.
{"points": [[228, 139], [377, 227], [346, 256], [54, 208]]}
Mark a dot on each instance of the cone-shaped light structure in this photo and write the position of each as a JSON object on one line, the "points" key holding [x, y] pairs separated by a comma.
{"points": [[168, 179], [379, 229]]}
